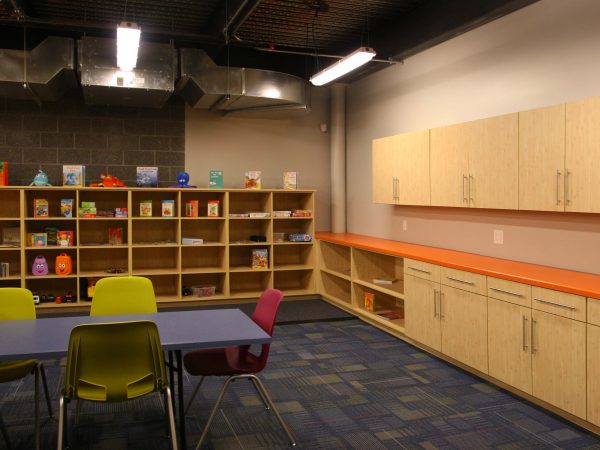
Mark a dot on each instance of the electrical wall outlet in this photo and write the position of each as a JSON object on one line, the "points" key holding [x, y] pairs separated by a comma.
{"points": [[498, 237]]}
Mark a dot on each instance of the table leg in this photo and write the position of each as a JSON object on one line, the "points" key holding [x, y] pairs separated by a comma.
{"points": [[180, 399]]}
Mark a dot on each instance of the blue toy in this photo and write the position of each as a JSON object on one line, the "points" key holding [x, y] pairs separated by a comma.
{"points": [[41, 179], [183, 178]]}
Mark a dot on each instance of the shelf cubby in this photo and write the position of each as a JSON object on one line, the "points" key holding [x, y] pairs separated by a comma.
{"points": [[292, 225], [249, 284], [10, 282], [104, 198], [55, 286], [166, 286], [96, 262], [50, 254], [249, 201], [337, 288], [95, 232], [54, 196], [240, 230], [200, 258], [154, 232], [289, 200], [11, 204], [12, 256], [240, 257], [290, 256], [385, 307], [211, 230], [154, 260], [294, 282], [335, 257], [156, 196], [203, 198], [368, 266], [216, 279]]}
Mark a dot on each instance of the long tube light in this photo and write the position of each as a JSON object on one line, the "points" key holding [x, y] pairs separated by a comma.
{"points": [[347, 64], [128, 42]]}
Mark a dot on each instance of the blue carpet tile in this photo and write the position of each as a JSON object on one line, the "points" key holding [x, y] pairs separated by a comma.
{"points": [[339, 385]]}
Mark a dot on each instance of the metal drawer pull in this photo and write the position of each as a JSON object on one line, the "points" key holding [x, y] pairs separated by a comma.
{"points": [[572, 308], [533, 349], [441, 310], [463, 187], [461, 281], [567, 193], [558, 173], [435, 293], [419, 270], [516, 294], [524, 333]]}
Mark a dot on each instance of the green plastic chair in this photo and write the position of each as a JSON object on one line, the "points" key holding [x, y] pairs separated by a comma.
{"points": [[123, 295], [114, 362], [17, 304]]}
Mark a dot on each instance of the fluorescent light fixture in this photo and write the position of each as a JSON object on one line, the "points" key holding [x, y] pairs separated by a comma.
{"points": [[347, 64], [128, 41]]}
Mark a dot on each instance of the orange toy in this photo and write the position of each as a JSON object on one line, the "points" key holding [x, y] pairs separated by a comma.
{"points": [[108, 181]]}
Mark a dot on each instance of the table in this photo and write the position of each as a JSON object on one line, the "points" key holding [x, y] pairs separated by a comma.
{"points": [[179, 331]]}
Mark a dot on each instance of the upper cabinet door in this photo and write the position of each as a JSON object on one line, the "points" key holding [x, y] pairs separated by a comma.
{"points": [[542, 159], [411, 154], [493, 163], [384, 187], [450, 165], [582, 177]]}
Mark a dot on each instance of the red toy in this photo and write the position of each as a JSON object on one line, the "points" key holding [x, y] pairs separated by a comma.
{"points": [[108, 181]]}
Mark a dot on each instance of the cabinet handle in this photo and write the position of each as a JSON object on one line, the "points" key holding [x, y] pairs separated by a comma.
{"points": [[397, 189], [463, 188], [471, 177], [558, 174], [533, 349], [516, 294], [562, 305], [435, 294], [524, 333], [461, 281], [567, 199], [441, 309], [419, 270]]}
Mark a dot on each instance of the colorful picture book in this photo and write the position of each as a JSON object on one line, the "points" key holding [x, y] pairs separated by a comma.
{"points": [[260, 258], [369, 299], [66, 207], [215, 179], [191, 208], [40, 207], [168, 208], [146, 208], [73, 175], [252, 180], [147, 177], [212, 208], [290, 180], [115, 236]]}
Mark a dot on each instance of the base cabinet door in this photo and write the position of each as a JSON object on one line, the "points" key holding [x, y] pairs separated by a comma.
{"points": [[421, 311], [509, 343], [559, 361], [593, 374], [464, 327]]}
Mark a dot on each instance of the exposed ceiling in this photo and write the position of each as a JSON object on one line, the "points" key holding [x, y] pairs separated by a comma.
{"points": [[281, 35]]}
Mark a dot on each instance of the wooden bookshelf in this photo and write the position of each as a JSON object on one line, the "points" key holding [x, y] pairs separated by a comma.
{"points": [[153, 246]]}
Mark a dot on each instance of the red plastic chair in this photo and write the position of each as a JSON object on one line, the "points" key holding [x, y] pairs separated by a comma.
{"points": [[238, 362]]}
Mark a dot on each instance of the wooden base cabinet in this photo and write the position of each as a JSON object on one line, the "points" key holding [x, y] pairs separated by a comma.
{"points": [[593, 374], [421, 310], [559, 361]]}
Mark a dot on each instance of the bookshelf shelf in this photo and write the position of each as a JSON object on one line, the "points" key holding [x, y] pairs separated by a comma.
{"points": [[152, 246]]}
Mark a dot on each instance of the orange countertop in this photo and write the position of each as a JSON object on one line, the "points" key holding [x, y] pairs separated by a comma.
{"points": [[580, 283]]}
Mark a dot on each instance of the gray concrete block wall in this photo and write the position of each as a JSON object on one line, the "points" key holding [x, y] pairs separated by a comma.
{"points": [[106, 139]]}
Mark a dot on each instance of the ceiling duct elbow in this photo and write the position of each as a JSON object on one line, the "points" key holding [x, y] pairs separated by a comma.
{"points": [[240, 91], [149, 85], [42, 74]]}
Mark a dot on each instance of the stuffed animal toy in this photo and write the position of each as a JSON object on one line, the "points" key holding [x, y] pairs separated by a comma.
{"points": [[39, 266], [40, 179], [108, 181]]}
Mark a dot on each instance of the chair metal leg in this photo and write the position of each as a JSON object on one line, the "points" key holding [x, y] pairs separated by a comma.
{"points": [[61, 414], [5, 434], [77, 409], [213, 413], [171, 418], [259, 384], [37, 406], [45, 385], [196, 389], [260, 394]]}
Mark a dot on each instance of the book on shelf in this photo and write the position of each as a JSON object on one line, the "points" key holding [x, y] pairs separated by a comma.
{"points": [[391, 315], [238, 215], [40, 207], [191, 208], [4, 270], [369, 301], [215, 179], [259, 214], [11, 236], [301, 213], [115, 236], [168, 208], [384, 280], [282, 213], [74, 175], [64, 238], [37, 239], [146, 208], [290, 180], [3, 173], [191, 241], [146, 177], [66, 207], [212, 208], [252, 180], [260, 258]]}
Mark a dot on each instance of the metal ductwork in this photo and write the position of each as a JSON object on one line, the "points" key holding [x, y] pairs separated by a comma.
{"points": [[42, 74], [240, 91], [149, 85]]}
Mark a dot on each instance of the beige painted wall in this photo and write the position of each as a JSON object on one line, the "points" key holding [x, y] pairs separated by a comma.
{"points": [[236, 144], [544, 54]]}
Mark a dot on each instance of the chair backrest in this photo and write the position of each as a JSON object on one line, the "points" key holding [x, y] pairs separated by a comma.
{"points": [[16, 304], [264, 316], [123, 295], [113, 362]]}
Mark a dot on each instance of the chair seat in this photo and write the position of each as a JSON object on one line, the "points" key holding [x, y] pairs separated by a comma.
{"points": [[220, 362], [13, 370]]}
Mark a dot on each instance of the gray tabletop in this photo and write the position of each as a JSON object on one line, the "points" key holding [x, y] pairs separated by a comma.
{"points": [[179, 330]]}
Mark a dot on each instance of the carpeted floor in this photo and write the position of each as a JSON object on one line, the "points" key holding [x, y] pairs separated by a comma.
{"points": [[339, 385]]}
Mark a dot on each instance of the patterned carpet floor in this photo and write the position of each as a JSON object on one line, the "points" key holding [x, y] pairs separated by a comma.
{"points": [[339, 385]]}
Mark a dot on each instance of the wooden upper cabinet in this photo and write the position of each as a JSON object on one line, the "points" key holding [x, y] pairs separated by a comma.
{"points": [[582, 177], [493, 163], [401, 169], [450, 165], [383, 171], [542, 159]]}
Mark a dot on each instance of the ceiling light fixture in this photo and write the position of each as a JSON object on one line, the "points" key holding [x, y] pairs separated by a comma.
{"points": [[128, 42], [347, 64]]}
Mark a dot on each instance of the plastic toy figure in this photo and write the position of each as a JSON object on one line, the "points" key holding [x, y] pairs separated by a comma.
{"points": [[41, 179], [183, 178], [108, 181], [39, 266]]}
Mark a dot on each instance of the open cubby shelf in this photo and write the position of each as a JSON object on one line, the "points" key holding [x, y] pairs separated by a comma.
{"points": [[152, 246]]}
